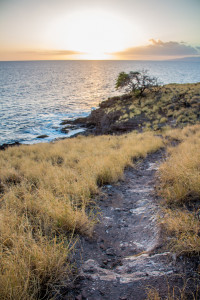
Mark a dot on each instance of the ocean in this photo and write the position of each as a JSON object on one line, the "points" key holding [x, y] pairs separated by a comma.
{"points": [[35, 96]]}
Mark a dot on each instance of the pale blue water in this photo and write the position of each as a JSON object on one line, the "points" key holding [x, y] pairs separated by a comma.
{"points": [[36, 96]]}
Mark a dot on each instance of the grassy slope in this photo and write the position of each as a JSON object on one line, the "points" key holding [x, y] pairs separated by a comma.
{"points": [[174, 105], [46, 189], [45, 194]]}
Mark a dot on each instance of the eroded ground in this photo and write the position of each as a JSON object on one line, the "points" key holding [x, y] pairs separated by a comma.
{"points": [[124, 258]]}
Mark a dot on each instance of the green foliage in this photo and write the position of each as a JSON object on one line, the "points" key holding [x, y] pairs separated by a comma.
{"points": [[155, 127], [122, 80], [163, 120], [170, 113]]}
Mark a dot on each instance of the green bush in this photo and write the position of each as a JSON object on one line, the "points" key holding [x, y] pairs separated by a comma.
{"points": [[163, 120]]}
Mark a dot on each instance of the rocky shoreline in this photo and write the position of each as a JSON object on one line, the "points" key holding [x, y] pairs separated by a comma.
{"points": [[101, 122], [5, 146], [174, 105]]}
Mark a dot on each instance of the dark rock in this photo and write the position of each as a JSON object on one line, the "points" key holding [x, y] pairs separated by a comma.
{"points": [[79, 297], [100, 240], [109, 102], [5, 146], [101, 122], [110, 252], [89, 266], [126, 97], [65, 122], [80, 121], [102, 293], [89, 126], [80, 277], [102, 246], [84, 294], [65, 130], [43, 136], [1, 188]]}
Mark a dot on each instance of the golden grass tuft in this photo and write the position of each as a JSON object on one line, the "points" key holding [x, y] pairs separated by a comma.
{"points": [[175, 292], [180, 174], [184, 229], [180, 134], [45, 196]]}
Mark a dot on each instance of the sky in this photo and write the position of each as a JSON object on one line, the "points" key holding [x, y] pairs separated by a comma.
{"points": [[99, 29]]}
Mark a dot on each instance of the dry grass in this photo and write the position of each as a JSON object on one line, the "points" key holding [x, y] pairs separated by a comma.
{"points": [[180, 174], [181, 292], [45, 196], [180, 188], [179, 134], [183, 227], [175, 105]]}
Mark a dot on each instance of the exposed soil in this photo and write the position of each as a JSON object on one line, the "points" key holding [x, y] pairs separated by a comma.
{"points": [[125, 256]]}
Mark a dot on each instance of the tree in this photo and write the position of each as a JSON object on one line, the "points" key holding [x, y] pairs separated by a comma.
{"points": [[136, 82]]}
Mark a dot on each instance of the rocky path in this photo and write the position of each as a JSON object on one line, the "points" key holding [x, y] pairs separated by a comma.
{"points": [[122, 260]]}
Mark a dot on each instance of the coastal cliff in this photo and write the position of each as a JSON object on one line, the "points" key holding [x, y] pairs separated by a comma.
{"points": [[174, 105]]}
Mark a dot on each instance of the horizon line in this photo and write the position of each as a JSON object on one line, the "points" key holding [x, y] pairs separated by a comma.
{"points": [[169, 59]]}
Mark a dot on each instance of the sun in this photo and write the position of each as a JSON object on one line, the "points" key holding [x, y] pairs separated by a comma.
{"points": [[94, 33]]}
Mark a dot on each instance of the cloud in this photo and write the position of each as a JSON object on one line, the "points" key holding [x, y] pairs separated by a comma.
{"points": [[37, 54], [60, 52], [51, 52], [162, 49]]}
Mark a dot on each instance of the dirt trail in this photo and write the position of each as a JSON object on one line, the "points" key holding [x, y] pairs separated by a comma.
{"points": [[122, 259]]}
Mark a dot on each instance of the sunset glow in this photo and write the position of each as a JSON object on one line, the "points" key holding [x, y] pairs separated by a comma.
{"points": [[95, 33], [122, 30]]}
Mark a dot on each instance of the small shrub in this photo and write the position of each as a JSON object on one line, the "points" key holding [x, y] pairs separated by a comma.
{"points": [[170, 113], [163, 120], [156, 127]]}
